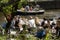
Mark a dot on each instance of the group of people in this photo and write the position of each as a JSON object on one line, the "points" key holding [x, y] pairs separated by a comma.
{"points": [[30, 8], [41, 26], [34, 25]]}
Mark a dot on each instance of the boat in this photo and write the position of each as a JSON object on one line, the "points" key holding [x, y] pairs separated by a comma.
{"points": [[19, 12]]}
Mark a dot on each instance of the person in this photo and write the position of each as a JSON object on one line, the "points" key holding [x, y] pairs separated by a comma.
{"points": [[44, 23], [8, 23], [4, 23], [31, 22], [37, 21], [53, 32], [27, 8], [22, 9], [58, 28], [32, 25], [20, 27], [9, 18], [37, 8], [31, 8], [13, 22], [16, 23], [40, 32], [26, 21], [21, 21]]}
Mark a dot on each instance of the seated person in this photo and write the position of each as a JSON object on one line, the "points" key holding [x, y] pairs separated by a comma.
{"points": [[22, 9], [41, 33]]}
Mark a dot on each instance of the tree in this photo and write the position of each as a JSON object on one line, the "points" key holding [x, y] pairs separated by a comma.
{"points": [[10, 7]]}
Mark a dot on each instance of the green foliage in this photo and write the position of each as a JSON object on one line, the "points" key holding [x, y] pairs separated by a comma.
{"points": [[2, 37], [26, 37], [4, 1], [21, 3], [7, 9]]}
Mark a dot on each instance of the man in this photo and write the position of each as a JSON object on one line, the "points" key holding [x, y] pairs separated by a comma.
{"points": [[58, 28], [32, 22], [40, 32], [8, 23], [27, 8], [37, 8], [13, 22], [22, 9], [32, 25]]}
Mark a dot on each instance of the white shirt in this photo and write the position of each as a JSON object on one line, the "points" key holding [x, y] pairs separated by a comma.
{"points": [[46, 22], [41, 20], [21, 29], [55, 21], [21, 22], [32, 23], [51, 22], [53, 30]]}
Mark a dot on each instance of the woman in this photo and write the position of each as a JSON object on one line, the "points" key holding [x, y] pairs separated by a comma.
{"points": [[37, 21]]}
